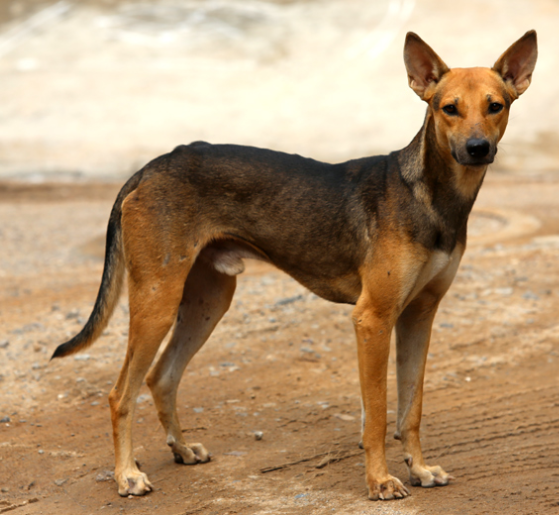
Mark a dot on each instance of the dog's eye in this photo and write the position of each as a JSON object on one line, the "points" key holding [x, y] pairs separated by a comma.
{"points": [[450, 109], [495, 107]]}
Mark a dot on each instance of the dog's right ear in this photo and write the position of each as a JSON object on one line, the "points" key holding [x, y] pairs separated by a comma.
{"points": [[425, 68]]}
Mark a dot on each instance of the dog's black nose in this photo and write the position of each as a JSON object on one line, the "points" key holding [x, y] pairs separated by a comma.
{"points": [[478, 147]]}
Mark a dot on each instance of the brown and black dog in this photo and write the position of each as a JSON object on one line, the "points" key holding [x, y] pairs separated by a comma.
{"points": [[384, 233]]}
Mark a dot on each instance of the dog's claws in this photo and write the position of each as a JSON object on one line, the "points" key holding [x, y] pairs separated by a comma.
{"points": [[136, 485], [387, 490], [443, 480]]}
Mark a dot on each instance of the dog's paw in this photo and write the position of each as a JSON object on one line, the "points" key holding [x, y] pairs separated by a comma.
{"points": [[188, 454], [133, 483], [426, 476], [390, 488]]}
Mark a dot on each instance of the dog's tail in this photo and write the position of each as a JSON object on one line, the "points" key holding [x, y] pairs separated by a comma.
{"points": [[111, 282]]}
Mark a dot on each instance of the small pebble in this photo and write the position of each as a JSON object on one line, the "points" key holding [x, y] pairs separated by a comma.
{"points": [[504, 291], [258, 435], [105, 475], [234, 453], [288, 300]]}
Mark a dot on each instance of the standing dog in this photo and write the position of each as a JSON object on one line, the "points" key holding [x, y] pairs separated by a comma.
{"points": [[384, 233]]}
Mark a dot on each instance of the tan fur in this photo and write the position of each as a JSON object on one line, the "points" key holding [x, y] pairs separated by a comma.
{"points": [[385, 233]]}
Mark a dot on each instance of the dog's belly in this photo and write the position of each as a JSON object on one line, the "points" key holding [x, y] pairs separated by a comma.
{"points": [[227, 257]]}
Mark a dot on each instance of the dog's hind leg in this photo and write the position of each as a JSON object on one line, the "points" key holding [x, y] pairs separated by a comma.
{"points": [[158, 260], [207, 296], [152, 313]]}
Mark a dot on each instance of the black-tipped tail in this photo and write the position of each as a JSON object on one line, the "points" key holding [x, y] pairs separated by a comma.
{"points": [[111, 282]]}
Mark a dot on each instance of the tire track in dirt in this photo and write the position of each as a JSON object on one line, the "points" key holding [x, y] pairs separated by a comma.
{"points": [[507, 431]]}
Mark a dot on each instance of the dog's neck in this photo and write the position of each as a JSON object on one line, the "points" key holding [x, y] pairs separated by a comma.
{"points": [[450, 187]]}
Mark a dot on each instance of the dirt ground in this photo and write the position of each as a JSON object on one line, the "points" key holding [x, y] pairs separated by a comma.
{"points": [[282, 362]]}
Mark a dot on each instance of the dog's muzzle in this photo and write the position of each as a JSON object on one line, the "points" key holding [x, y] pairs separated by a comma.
{"points": [[476, 152]]}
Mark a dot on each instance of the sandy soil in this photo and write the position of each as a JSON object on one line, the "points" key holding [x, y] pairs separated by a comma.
{"points": [[281, 362]]}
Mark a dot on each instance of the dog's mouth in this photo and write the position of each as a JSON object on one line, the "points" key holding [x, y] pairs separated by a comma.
{"points": [[473, 162]]}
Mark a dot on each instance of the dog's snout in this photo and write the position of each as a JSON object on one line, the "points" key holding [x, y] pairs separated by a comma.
{"points": [[474, 152], [478, 147]]}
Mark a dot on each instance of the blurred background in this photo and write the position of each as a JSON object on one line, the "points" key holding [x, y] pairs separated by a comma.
{"points": [[96, 88]]}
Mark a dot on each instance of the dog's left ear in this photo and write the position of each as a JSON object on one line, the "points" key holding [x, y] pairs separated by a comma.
{"points": [[425, 68], [517, 64]]}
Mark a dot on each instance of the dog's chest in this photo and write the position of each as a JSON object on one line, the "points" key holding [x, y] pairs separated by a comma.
{"points": [[437, 272], [437, 263]]}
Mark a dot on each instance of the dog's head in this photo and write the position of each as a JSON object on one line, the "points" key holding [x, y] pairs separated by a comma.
{"points": [[470, 106]]}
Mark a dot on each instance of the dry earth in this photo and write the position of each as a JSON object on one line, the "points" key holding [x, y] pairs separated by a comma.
{"points": [[281, 362]]}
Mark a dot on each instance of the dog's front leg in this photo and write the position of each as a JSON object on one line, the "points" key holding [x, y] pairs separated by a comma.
{"points": [[373, 344], [413, 333]]}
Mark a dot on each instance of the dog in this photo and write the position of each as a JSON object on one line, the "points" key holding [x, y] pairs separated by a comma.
{"points": [[383, 233]]}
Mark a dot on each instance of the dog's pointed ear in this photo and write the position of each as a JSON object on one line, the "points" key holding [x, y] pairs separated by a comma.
{"points": [[425, 68], [517, 64]]}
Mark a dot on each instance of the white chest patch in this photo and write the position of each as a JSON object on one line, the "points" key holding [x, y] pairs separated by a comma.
{"points": [[438, 262], [440, 265]]}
